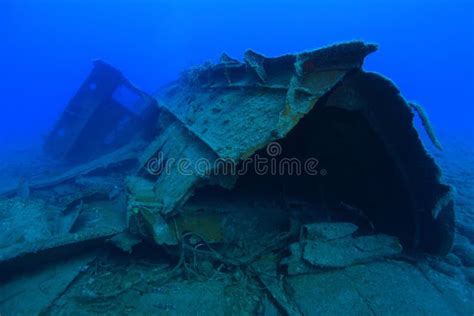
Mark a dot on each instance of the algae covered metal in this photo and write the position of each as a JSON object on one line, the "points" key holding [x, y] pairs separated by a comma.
{"points": [[317, 103]]}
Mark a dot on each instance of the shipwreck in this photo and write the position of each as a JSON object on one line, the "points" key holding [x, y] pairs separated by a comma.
{"points": [[120, 155]]}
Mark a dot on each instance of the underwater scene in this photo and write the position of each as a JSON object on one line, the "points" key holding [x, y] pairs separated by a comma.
{"points": [[179, 157]]}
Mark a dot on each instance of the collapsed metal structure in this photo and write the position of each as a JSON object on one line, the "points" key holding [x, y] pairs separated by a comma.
{"points": [[314, 104]]}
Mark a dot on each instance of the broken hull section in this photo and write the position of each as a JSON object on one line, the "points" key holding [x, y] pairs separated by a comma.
{"points": [[322, 105], [106, 113]]}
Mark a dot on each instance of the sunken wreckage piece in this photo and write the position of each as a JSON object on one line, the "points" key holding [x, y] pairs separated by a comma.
{"points": [[80, 203], [317, 104], [106, 113]]}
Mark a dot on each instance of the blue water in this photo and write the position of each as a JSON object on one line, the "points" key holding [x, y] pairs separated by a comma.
{"points": [[426, 47]]}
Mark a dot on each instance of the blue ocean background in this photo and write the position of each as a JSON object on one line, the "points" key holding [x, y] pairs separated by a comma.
{"points": [[426, 47]]}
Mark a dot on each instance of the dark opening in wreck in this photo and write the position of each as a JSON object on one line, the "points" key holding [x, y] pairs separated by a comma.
{"points": [[354, 164], [361, 182]]}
